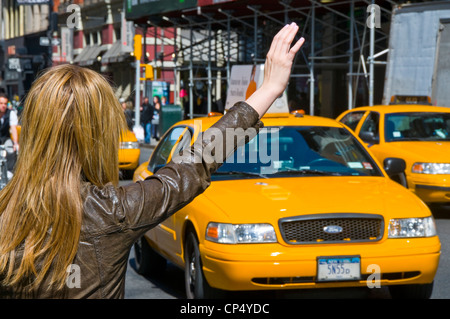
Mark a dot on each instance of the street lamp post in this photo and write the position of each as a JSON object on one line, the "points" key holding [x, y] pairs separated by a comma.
{"points": [[50, 32]]}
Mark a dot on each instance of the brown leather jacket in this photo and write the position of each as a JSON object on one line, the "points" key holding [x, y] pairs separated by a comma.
{"points": [[115, 217]]}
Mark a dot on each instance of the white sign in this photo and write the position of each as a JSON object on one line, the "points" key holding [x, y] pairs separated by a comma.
{"points": [[44, 41], [25, 2], [244, 80], [66, 44], [14, 64], [127, 35]]}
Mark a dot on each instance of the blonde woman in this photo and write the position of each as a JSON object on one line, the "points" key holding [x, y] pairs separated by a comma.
{"points": [[63, 212]]}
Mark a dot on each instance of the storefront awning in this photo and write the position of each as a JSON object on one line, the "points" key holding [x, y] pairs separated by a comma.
{"points": [[89, 55], [201, 3], [141, 8], [115, 54]]}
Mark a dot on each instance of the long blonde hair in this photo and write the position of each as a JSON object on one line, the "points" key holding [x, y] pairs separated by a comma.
{"points": [[71, 126]]}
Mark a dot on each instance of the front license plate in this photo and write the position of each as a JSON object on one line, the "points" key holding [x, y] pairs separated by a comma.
{"points": [[338, 268]]}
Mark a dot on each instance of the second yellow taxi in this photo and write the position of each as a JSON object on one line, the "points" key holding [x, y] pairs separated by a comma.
{"points": [[302, 205], [418, 134], [129, 153]]}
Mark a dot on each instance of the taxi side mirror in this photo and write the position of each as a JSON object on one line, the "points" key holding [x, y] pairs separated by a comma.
{"points": [[369, 137], [395, 168]]}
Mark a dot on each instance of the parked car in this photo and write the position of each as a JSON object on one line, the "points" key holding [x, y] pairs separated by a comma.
{"points": [[129, 153], [418, 134], [302, 205]]}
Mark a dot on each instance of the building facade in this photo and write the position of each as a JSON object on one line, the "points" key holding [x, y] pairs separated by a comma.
{"points": [[22, 52], [37, 34], [90, 33]]}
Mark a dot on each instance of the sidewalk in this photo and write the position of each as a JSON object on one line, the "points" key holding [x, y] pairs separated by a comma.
{"points": [[152, 144]]}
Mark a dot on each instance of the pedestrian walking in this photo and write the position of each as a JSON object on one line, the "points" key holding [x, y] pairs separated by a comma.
{"points": [[155, 120], [127, 107], [66, 227], [146, 119], [8, 131]]}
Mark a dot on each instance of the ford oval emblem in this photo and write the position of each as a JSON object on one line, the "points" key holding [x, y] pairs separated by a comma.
{"points": [[333, 229]]}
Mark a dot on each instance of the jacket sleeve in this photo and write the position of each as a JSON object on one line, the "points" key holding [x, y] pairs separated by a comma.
{"points": [[147, 203]]}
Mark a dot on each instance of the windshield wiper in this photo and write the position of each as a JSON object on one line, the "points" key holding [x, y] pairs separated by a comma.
{"points": [[241, 173], [421, 139], [306, 172], [408, 139]]}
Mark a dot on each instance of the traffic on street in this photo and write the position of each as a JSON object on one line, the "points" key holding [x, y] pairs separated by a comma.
{"points": [[170, 283], [288, 149]]}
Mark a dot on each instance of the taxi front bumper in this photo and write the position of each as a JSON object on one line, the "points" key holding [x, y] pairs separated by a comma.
{"points": [[431, 188], [129, 158], [396, 261]]}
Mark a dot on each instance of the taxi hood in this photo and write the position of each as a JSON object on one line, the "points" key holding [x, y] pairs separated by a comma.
{"points": [[267, 200], [420, 151]]}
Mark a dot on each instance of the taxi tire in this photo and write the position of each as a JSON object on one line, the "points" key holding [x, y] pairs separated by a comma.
{"points": [[148, 262], [196, 285], [418, 291]]}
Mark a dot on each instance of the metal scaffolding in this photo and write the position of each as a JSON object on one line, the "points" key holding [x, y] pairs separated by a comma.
{"points": [[210, 39]]}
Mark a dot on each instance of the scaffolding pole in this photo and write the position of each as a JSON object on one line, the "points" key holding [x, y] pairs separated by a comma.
{"points": [[350, 57], [311, 63], [209, 69], [244, 23], [371, 54], [191, 78]]}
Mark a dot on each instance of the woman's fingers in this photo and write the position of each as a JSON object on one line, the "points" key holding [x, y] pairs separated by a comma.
{"points": [[296, 47], [280, 57], [278, 40], [288, 37], [281, 45], [277, 68], [279, 35]]}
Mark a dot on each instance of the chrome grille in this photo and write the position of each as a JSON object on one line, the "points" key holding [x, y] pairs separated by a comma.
{"points": [[309, 229]]}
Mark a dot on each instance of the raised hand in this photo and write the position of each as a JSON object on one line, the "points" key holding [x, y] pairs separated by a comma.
{"points": [[277, 68]]}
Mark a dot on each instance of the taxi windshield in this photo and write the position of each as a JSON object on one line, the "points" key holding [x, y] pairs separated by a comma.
{"points": [[299, 151], [417, 126]]}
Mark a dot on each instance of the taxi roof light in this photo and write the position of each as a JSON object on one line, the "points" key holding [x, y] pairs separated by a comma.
{"points": [[298, 113], [410, 99]]}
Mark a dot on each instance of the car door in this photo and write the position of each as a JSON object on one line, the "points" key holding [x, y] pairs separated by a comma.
{"points": [[369, 132], [165, 234]]}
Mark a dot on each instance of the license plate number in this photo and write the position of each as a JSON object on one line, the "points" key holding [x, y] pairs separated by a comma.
{"points": [[338, 268]]}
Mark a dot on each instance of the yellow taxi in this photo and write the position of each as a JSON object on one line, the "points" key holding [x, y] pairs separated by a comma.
{"points": [[302, 205], [418, 134], [129, 153]]}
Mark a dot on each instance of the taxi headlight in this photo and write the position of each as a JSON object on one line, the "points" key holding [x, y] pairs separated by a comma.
{"points": [[431, 168], [240, 233], [412, 227], [129, 145]]}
